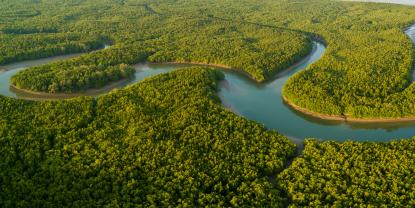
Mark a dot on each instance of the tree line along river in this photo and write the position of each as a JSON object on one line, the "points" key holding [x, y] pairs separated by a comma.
{"points": [[259, 102]]}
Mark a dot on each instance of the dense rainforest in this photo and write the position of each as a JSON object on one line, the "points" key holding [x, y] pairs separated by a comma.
{"points": [[365, 73], [352, 174], [15, 47], [261, 52], [163, 142], [167, 141]]}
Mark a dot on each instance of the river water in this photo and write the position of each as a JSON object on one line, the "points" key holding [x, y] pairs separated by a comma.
{"points": [[259, 102], [263, 103]]}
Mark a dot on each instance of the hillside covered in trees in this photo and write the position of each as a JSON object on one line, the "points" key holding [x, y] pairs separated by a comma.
{"points": [[168, 141]]}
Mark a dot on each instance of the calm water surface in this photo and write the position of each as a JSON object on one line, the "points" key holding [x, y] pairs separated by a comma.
{"points": [[263, 103], [259, 102]]}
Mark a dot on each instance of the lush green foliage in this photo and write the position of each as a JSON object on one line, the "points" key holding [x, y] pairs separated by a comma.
{"points": [[92, 70], [364, 73], [167, 141], [352, 174], [260, 51], [366, 70], [15, 48], [163, 142]]}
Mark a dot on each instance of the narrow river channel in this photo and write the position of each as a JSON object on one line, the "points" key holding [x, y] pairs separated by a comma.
{"points": [[258, 102]]}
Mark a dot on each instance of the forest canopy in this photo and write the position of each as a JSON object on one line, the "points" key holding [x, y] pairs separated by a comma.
{"points": [[352, 174], [168, 141], [259, 51], [365, 72]]}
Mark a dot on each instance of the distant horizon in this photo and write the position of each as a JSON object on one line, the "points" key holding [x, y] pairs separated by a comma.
{"points": [[406, 2]]}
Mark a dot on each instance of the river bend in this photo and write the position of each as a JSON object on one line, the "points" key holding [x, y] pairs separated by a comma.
{"points": [[259, 102]]}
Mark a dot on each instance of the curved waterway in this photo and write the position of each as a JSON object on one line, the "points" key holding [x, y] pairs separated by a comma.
{"points": [[263, 103], [259, 102]]}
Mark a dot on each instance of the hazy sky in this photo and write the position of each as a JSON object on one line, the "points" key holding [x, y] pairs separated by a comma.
{"points": [[411, 2]]}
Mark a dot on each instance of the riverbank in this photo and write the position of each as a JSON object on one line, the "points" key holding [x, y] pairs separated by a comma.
{"points": [[278, 74], [34, 95], [298, 63], [218, 66], [29, 94], [345, 118]]}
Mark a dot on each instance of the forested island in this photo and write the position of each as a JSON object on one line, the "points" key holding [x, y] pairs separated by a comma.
{"points": [[168, 141]]}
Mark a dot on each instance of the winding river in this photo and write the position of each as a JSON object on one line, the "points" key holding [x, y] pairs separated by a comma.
{"points": [[259, 102]]}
